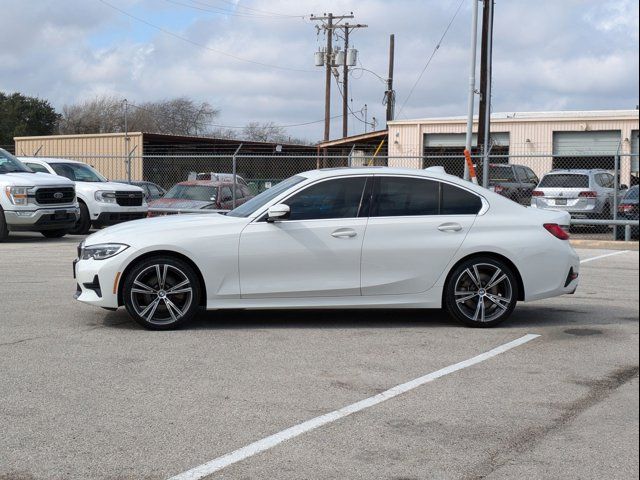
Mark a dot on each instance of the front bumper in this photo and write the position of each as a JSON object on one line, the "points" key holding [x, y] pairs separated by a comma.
{"points": [[106, 219], [98, 281], [59, 218]]}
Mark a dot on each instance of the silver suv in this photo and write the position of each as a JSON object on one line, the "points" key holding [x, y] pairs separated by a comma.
{"points": [[583, 193]]}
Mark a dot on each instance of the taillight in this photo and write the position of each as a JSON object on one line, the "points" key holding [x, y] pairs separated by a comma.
{"points": [[588, 194], [625, 208], [537, 193], [498, 189], [557, 231]]}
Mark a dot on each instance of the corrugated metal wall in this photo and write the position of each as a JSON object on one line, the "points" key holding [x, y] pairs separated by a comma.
{"points": [[106, 152]]}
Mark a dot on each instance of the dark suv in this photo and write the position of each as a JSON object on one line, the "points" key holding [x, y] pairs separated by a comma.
{"points": [[515, 182]]}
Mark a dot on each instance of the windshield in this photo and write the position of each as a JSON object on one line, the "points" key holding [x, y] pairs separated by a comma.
{"points": [[203, 193], [265, 197], [632, 194], [10, 164], [77, 172], [564, 181]]}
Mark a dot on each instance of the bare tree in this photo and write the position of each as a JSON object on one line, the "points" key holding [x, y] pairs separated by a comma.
{"points": [[269, 132], [177, 116]]}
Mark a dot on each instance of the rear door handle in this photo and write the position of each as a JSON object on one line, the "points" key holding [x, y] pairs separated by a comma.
{"points": [[344, 233], [450, 227]]}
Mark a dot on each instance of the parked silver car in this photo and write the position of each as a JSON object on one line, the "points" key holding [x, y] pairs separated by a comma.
{"points": [[583, 193]]}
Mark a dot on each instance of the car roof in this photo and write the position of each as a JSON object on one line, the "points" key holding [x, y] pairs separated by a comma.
{"points": [[577, 171], [205, 183], [48, 160]]}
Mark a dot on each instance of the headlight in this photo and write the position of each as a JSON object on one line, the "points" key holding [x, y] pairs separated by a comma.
{"points": [[18, 195], [105, 196], [101, 251]]}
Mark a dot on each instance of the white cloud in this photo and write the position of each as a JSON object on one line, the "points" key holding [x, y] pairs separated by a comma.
{"points": [[574, 54]]}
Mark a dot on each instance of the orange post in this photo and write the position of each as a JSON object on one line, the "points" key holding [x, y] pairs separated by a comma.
{"points": [[472, 169]]}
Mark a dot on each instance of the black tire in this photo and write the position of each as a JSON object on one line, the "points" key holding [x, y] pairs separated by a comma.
{"points": [[83, 225], [4, 230], [54, 233], [482, 305], [143, 288]]}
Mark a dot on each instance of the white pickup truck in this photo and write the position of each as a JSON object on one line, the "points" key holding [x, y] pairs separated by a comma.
{"points": [[34, 202], [102, 203]]}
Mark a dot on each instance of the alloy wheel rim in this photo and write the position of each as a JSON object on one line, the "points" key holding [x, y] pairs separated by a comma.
{"points": [[161, 294], [483, 292]]}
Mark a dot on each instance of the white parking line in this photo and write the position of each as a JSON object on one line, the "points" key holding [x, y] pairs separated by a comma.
{"points": [[292, 432], [603, 256]]}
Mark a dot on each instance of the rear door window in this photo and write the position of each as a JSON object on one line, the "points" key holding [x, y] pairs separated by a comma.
{"points": [[522, 174], [405, 196], [562, 180]]}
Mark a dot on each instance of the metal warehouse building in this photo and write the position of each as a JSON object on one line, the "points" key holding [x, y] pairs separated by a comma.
{"points": [[165, 159], [541, 140]]}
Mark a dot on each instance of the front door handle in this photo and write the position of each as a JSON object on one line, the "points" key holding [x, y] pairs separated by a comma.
{"points": [[344, 233], [450, 227]]}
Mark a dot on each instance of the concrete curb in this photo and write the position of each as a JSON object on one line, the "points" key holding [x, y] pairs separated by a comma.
{"points": [[604, 244]]}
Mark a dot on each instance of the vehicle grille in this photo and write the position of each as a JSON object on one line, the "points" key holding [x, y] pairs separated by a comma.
{"points": [[129, 199], [55, 196]]}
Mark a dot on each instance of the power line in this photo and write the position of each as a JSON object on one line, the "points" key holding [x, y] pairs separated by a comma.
{"points": [[433, 54], [187, 40], [221, 11], [228, 2]]}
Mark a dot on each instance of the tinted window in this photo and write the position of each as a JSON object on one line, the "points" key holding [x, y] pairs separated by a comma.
{"points": [[522, 174], [499, 174], [37, 167], [456, 201], [397, 196], [77, 172], [561, 180], [338, 198], [245, 191], [632, 194], [533, 178]]}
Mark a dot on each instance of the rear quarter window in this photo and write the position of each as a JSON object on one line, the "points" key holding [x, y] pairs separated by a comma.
{"points": [[456, 201]]}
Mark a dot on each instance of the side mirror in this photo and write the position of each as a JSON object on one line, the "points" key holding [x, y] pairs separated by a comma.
{"points": [[278, 212]]}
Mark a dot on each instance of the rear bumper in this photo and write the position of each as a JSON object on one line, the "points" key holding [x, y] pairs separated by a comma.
{"points": [[42, 219]]}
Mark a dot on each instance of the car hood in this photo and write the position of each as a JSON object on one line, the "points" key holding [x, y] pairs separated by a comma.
{"points": [[167, 230], [178, 203], [113, 186], [25, 179]]}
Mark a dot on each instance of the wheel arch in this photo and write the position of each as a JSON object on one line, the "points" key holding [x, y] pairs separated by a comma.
{"points": [[163, 253], [496, 256]]}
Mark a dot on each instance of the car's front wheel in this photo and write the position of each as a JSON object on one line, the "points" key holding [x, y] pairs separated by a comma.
{"points": [[481, 292], [161, 293]]}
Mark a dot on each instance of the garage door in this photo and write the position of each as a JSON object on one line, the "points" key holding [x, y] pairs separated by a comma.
{"points": [[635, 167], [459, 139], [570, 148]]}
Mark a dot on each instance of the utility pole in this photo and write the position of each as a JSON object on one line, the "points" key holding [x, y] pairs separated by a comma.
{"points": [[345, 75], [390, 96], [484, 125], [485, 68], [472, 86]]}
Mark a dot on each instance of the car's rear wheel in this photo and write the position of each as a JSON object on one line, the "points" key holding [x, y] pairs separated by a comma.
{"points": [[161, 293], [481, 292]]}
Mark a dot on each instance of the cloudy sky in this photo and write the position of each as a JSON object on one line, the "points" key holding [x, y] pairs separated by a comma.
{"points": [[253, 59]]}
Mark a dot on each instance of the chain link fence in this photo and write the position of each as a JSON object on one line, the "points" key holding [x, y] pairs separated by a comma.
{"points": [[599, 191]]}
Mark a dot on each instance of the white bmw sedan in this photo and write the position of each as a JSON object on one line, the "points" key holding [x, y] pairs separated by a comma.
{"points": [[341, 238]]}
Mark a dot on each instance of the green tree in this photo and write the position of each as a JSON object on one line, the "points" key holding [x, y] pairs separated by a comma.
{"points": [[21, 116]]}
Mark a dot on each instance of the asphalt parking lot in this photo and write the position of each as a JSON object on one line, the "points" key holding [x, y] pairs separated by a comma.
{"points": [[87, 394]]}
